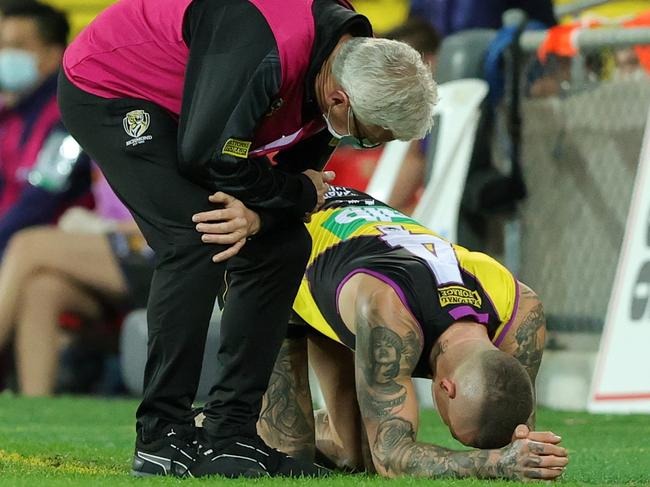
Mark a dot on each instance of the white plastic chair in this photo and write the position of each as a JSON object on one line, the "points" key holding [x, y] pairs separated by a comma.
{"points": [[458, 106], [385, 175]]}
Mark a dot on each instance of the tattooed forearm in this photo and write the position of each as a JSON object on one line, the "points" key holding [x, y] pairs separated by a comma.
{"points": [[530, 340], [286, 421], [396, 451]]}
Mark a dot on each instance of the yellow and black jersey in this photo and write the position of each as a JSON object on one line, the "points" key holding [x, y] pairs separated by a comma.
{"points": [[440, 283]]}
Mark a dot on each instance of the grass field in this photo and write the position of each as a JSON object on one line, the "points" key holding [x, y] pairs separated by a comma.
{"points": [[82, 441]]}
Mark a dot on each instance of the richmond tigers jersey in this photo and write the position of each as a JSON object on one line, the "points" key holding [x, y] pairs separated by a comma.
{"points": [[439, 282]]}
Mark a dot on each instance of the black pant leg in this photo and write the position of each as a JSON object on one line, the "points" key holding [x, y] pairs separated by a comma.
{"points": [[262, 282], [186, 281]]}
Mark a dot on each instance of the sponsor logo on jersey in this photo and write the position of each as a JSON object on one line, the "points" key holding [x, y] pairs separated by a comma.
{"points": [[459, 295], [135, 124], [237, 148], [345, 221], [338, 192]]}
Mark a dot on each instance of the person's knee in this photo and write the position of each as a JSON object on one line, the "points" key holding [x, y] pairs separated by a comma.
{"points": [[186, 255], [43, 289], [291, 253], [28, 244], [30, 241]]}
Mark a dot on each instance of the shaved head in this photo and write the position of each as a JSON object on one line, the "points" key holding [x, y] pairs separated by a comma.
{"points": [[492, 394], [508, 401]]}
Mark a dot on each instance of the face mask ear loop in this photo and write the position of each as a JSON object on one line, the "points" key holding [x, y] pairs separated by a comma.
{"points": [[349, 133]]}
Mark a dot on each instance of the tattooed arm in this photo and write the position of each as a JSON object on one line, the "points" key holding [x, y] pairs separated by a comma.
{"points": [[287, 419], [388, 345], [525, 340]]}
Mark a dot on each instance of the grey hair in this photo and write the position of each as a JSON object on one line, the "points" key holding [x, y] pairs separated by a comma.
{"points": [[388, 85]]}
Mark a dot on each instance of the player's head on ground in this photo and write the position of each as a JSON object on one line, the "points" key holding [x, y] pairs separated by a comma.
{"points": [[484, 396], [374, 90]]}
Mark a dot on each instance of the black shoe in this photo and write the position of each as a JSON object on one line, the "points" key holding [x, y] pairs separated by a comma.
{"points": [[249, 457], [173, 454]]}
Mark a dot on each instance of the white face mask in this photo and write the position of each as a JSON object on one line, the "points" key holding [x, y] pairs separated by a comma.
{"points": [[349, 138], [331, 129], [18, 70]]}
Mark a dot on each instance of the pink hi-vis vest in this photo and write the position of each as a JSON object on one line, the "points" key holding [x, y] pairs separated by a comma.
{"points": [[135, 49]]}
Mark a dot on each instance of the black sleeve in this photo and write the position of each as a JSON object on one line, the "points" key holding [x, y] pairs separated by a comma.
{"points": [[310, 153], [233, 74]]}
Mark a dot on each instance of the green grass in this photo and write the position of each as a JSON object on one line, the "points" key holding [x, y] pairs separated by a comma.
{"points": [[83, 441]]}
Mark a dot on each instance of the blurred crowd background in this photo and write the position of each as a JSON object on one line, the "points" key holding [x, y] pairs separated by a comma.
{"points": [[548, 181]]}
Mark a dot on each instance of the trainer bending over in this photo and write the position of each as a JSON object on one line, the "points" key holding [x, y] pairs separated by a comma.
{"points": [[179, 99]]}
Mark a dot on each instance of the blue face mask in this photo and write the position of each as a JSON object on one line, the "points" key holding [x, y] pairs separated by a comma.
{"points": [[18, 70]]}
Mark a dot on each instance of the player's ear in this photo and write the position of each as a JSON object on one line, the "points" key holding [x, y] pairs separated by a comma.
{"points": [[449, 386]]}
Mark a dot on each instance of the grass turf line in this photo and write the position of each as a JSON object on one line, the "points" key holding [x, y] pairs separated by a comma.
{"points": [[72, 441]]}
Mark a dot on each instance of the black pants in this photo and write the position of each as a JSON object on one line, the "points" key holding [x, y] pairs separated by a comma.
{"points": [[259, 283]]}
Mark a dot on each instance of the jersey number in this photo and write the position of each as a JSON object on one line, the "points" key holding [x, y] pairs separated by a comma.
{"points": [[436, 252]]}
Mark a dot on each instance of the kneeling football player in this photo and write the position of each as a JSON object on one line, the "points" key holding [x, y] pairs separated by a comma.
{"points": [[383, 300]]}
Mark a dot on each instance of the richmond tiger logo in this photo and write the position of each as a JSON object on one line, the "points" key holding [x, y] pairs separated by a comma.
{"points": [[136, 123]]}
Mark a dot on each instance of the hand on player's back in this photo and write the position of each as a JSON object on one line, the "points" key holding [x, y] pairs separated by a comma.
{"points": [[320, 181], [533, 455]]}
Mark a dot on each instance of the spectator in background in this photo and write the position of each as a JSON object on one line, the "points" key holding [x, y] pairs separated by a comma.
{"points": [[627, 65], [42, 171], [92, 264], [453, 16]]}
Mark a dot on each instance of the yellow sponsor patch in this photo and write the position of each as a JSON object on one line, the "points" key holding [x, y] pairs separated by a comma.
{"points": [[236, 148], [459, 295]]}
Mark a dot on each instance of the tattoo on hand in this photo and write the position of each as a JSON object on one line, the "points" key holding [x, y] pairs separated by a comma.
{"points": [[533, 474]]}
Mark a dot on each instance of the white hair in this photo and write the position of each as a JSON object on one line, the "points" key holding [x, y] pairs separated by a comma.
{"points": [[388, 84]]}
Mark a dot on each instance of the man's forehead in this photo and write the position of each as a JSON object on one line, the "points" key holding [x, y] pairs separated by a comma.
{"points": [[19, 29]]}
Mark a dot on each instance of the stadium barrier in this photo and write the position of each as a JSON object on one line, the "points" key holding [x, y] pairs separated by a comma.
{"points": [[580, 154]]}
